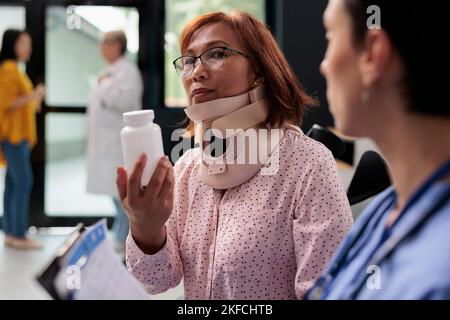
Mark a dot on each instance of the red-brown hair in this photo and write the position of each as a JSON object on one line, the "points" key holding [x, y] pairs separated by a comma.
{"points": [[288, 99]]}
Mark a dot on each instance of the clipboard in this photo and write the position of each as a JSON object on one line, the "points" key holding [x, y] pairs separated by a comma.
{"points": [[47, 276], [86, 267]]}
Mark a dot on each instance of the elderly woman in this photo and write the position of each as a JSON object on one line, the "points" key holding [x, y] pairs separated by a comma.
{"points": [[260, 229]]}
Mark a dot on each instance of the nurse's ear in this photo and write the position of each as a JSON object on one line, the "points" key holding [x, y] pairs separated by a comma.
{"points": [[377, 56]]}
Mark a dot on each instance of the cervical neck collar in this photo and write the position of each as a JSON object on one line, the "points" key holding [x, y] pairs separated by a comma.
{"points": [[230, 118]]}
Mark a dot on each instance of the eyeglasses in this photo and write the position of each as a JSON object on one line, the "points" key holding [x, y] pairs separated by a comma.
{"points": [[212, 58]]}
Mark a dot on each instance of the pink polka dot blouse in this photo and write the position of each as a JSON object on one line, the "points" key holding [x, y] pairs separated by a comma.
{"points": [[269, 238]]}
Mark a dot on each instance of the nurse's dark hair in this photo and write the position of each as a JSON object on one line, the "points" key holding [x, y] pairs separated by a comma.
{"points": [[9, 40], [417, 32]]}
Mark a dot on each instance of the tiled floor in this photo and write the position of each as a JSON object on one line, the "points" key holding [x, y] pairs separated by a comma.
{"points": [[18, 271]]}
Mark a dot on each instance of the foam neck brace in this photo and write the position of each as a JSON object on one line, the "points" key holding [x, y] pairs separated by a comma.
{"points": [[236, 114], [221, 107], [239, 112]]}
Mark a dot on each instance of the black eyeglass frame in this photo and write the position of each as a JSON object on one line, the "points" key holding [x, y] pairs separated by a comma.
{"points": [[180, 70]]}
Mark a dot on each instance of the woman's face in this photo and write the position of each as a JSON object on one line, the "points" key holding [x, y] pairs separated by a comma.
{"points": [[341, 70], [23, 47], [233, 78]]}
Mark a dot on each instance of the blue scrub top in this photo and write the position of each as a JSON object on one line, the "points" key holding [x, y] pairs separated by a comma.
{"points": [[418, 268]]}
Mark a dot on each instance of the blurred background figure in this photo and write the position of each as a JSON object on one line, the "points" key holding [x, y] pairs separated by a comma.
{"points": [[119, 89], [19, 104]]}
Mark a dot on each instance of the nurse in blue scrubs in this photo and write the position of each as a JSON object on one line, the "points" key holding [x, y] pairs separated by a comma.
{"points": [[387, 71]]}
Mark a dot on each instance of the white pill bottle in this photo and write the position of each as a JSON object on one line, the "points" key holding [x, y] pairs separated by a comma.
{"points": [[140, 135]]}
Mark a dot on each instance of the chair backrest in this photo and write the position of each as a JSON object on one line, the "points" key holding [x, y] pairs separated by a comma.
{"points": [[370, 178], [328, 138], [371, 174]]}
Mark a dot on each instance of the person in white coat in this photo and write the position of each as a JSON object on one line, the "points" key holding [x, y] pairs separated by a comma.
{"points": [[119, 89]]}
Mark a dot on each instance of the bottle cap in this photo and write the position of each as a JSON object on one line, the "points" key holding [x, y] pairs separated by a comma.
{"points": [[138, 118]]}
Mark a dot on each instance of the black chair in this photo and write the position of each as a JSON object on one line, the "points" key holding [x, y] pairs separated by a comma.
{"points": [[370, 178], [329, 139], [371, 175]]}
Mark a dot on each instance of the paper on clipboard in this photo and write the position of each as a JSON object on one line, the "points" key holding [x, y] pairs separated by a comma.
{"points": [[91, 270]]}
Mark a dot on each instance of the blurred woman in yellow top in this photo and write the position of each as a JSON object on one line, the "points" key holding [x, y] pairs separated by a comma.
{"points": [[18, 106]]}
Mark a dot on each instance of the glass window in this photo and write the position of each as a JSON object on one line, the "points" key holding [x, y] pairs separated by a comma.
{"points": [[178, 13], [66, 169], [10, 17], [73, 57], [73, 61]]}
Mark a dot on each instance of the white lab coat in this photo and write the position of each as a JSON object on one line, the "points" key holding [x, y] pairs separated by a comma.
{"points": [[120, 92]]}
